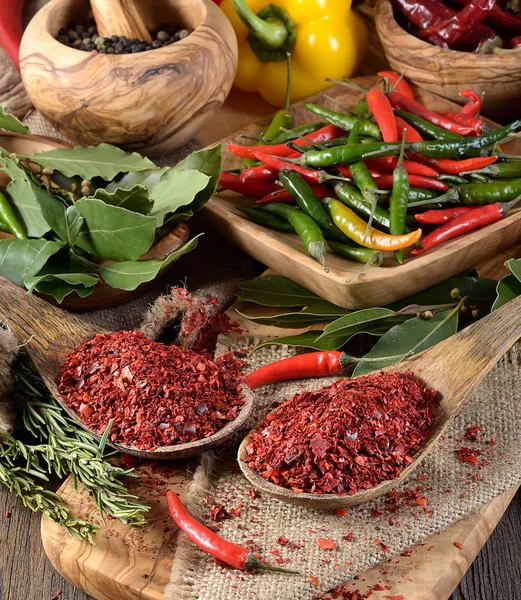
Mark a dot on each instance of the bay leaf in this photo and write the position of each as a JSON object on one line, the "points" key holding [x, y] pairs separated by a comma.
{"points": [[508, 288], [148, 179], [105, 161], [27, 198], [307, 339], [409, 338], [320, 311], [337, 333], [276, 290], [11, 123], [114, 233], [514, 266], [176, 191], [208, 162], [12, 167], [128, 275], [135, 199], [20, 259], [74, 224]]}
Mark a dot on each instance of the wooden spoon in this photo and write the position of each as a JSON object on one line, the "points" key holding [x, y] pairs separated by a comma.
{"points": [[48, 334], [454, 367], [119, 17]]}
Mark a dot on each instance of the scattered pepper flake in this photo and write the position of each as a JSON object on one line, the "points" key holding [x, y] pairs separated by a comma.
{"points": [[282, 541], [315, 580], [468, 455], [326, 544], [458, 545], [219, 513], [472, 432]]}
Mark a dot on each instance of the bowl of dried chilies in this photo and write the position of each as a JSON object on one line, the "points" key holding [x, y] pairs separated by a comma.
{"points": [[450, 45]]}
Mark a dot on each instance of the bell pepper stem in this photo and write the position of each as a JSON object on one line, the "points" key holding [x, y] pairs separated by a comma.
{"points": [[272, 32]]}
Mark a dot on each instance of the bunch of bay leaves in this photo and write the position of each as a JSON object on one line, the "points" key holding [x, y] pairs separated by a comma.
{"points": [[90, 213]]}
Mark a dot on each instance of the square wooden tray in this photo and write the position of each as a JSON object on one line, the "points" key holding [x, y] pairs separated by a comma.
{"points": [[378, 286]]}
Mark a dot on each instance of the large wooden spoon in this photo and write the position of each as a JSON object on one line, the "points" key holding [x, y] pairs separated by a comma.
{"points": [[48, 334], [454, 367]]}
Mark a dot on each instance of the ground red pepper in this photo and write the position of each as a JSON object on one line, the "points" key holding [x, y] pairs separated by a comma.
{"points": [[348, 436], [157, 395]]}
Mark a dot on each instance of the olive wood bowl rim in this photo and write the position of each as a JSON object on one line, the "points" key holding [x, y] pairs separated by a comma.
{"points": [[54, 45], [188, 449], [385, 21]]}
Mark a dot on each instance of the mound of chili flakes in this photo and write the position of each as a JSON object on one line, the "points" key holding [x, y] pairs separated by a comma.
{"points": [[346, 437], [157, 395]]}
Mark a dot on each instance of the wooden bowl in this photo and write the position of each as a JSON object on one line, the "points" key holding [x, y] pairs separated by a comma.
{"points": [[151, 102], [446, 72], [103, 295]]}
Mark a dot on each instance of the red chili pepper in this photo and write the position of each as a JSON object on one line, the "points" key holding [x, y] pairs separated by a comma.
{"points": [[319, 191], [403, 103], [455, 167], [382, 111], [504, 23], [328, 132], [205, 539], [310, 175], [465, 120], [11, 12], [344, 170], [254, 188], [258, 172], [413, 168], [473, 106], [456, 27], [301, 366], [443, 215], [398, 82], [411, 135], [479, 217], [385, 182]]}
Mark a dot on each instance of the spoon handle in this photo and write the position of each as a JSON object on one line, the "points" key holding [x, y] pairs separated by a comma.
{"points": [[458, 364]]}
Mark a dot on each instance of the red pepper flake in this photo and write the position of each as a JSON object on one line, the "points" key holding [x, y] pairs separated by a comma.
{"points": [[282, 541], [342, 593], [157, 395], [378, 588], [406, 553], [472, 432], [348, 537], [468, 455], [7, 514], [458, 545], [326, 544], [398, 597], [421, 501], [493, 440], [235, 512], [382, 419], [219, 513], [57, 595], [315, 580], [253, 493], [341, 512]]}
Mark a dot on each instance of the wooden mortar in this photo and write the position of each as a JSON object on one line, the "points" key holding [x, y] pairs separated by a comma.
{"points": [[151, 102]]}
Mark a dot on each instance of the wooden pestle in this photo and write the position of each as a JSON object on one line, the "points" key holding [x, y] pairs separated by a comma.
{"points": [[119, 17]]}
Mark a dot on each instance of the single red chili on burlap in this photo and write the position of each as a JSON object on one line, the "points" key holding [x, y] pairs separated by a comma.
{"points": [[157, 395], [205, 539], [346, 437]]}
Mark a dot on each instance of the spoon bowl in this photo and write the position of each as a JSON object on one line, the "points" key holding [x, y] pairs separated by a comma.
{"points": [[454, 368], [48, 335]]}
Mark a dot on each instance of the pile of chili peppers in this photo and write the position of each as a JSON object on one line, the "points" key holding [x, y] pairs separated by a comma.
{"points": [[346, 437], [389, 175], [157, 395], [467, 25]]}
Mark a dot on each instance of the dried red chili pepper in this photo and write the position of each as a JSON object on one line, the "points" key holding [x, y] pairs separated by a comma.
{"points": [[345, 437], [157, 395]]}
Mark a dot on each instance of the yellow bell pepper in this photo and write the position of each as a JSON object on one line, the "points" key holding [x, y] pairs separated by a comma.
{"points": [[325, 39]]}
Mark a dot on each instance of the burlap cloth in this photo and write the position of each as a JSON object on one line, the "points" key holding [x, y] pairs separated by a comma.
{"points": [[363, 535]]}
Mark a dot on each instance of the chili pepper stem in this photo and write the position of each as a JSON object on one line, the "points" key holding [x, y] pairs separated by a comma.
{"points": [[272, 33], [347, 83], [252, 562], [395, 86], [337, 103], [372, 261], [306, 139]]}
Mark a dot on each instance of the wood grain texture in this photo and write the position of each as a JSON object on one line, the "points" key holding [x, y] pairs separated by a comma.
{"points": [[153, 101], [446, 72], [378, 285], [119, 17], [103, 295]]}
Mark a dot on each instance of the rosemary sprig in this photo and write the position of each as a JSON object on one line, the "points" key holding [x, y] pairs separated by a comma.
{"points": [[62, 448]]}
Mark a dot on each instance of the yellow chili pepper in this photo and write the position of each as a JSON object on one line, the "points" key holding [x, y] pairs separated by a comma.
{"points": [[355, 228], [325, 39]]}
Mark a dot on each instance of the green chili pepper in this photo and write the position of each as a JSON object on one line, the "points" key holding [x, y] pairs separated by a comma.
{"points": [[399, 200], [307, 230], [426, 128], [348, 154], [295, 185], [282, 119], [452, 180], [10, 220], [473, 194], [416, 194], [271, 221], [501, 170], [361, 108], [478, 177], [359, 170], [353, 199], [363, 255], [346, 122], [296, 132]]}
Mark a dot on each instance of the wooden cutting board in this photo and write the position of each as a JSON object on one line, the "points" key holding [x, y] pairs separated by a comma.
{"points": [[128, 564]]}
